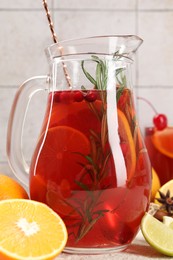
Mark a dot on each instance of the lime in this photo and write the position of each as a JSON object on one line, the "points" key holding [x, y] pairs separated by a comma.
{"points": [[168, 221], [157, 234]]}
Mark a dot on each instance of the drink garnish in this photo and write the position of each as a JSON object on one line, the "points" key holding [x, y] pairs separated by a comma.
{"points": [[160, 121], [167, 201], [164, 200]]}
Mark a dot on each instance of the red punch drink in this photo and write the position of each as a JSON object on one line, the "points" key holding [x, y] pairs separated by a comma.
{"points": [[159, 144], [75, 172]]}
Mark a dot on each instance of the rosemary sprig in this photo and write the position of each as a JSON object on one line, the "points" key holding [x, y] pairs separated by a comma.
{"points": [[100, 81], [101, 74], [87, 74], [86, 226]]}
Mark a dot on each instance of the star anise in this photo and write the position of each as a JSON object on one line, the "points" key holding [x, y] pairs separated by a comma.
{"points": [[167, 201]]}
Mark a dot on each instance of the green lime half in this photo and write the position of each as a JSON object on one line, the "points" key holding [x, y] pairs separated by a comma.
{"points": [[168, 221], [157, 234]]}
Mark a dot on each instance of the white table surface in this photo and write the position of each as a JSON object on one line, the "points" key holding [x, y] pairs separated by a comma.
{"points": [[138, 250]]}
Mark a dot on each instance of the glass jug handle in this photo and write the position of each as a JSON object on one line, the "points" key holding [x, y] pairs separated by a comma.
{"points": [[16, 122]]}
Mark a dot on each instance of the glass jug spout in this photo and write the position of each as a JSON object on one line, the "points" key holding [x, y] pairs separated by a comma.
{"points": [[125, 45]]}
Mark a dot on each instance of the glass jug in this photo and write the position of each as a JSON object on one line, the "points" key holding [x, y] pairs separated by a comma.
{"points": [[90, 164]]}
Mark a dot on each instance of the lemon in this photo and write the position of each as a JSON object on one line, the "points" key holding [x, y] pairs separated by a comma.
{"points": [[157, 234], [167, 186], [155, 184]]}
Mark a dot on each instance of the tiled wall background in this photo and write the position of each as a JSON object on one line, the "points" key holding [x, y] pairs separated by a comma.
{"points": [[25, 34]]}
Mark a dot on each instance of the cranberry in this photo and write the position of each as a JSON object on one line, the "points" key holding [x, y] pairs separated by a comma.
{"points": [[91, 96], [78, 96], [160, 121], [66, 96]]}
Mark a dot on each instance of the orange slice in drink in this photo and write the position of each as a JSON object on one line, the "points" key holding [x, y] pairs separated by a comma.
{"points": [[163, 141], [60, 163], [52, 194], [30, 230], [62, 154], [127, 141], [60, 204], [81, 116]]}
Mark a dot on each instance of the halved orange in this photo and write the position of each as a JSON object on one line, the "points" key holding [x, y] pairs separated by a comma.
{"points": [[127, 139], [30, 230], [11, 189], [163, 141]]}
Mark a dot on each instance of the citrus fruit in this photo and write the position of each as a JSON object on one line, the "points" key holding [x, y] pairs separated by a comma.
{"points": [[157, 234], [155, 184], [57, 202], [168, 221], [30, 230], [63, 151], [163, 141], [60, 162], [10, 189], [85, 116], [164, 188], [78, 115], [127, 139]]}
